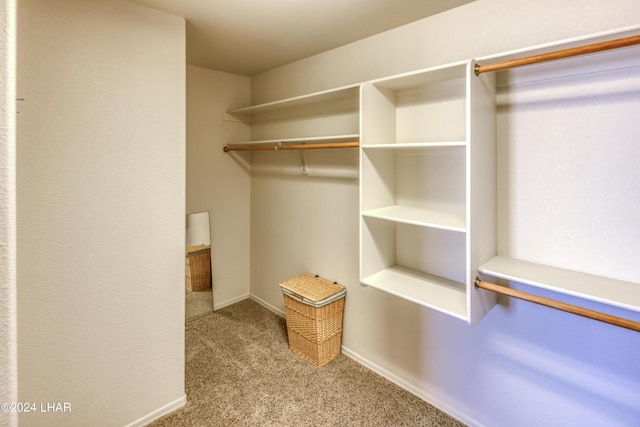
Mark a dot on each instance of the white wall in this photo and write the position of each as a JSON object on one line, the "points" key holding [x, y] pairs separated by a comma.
{"points": [[480, 28], [521, 365], [8, 326], [101, 211], [218, 182]]}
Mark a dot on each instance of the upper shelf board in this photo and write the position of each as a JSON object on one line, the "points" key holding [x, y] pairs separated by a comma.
{"points": [[312, 98], [424, 77]]}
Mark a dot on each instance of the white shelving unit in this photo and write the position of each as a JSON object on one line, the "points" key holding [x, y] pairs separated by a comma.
{"points": [[427, 187], [588, 216], [433, 185], [320, 117]]}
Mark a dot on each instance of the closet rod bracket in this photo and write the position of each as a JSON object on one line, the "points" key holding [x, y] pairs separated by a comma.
{"points": [[302, 154]]}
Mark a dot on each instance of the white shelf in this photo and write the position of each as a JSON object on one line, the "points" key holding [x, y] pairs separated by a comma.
{"points": [[614, 292], [330, 116], [431, 291], [420, 217], [314, 139], [316, 97], [415, 145], [424, 77]]}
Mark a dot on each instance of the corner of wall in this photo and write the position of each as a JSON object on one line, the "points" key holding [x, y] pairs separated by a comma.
{"points": [[8, 315]]}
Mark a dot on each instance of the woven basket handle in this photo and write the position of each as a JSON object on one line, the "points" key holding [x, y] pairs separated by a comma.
{"points": [[298, 297]]}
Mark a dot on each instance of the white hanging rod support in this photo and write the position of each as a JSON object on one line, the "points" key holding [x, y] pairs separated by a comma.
{"points": [[559, 54], [354, 144], [558, 305]]}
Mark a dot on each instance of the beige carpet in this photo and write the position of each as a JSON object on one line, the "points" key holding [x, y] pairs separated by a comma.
{"points": [[241, 372], [198, 304]]}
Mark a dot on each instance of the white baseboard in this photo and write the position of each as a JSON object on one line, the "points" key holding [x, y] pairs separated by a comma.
{"points": [[218, 306], [427, 397], [160, 412], [268, 306]]}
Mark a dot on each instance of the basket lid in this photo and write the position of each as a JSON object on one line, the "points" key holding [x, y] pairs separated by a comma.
{"points": [[199, 248], [312, 288]]}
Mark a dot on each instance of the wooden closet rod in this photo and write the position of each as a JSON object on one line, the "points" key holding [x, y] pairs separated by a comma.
{"points": [[293, 147], [580, 311], [559, 54]]}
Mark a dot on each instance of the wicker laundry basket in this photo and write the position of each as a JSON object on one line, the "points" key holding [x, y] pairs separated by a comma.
{"points": [[198, 268], [314, 309]]}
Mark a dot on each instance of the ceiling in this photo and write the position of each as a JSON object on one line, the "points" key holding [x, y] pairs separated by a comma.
{"points": [[251, 36]]}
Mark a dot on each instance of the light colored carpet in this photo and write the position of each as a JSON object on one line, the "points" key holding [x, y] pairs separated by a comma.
{"points": [[198, 304], [241, 372]]}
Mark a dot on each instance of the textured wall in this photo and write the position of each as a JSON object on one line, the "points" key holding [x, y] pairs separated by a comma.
{"points": [[8, 359], [101, 210]]}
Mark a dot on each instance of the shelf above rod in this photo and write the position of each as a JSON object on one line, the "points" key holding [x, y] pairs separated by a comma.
{"points": [[354, 144], [559, 54], [558, 305]]}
